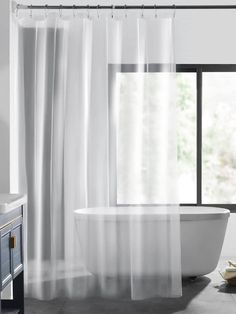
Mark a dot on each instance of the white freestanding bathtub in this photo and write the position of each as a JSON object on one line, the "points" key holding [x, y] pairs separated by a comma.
{"points": [[202, 235]]}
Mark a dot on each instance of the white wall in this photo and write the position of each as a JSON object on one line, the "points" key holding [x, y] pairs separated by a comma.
{"points": [[4, 96], [201, 37]]}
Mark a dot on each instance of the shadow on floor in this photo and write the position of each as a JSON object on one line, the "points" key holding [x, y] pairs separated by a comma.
{"points": [[107, 306], [226, 288]]}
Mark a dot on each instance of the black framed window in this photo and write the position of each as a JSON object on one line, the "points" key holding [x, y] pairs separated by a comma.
{"points": [[216, 134], [206, 102]]}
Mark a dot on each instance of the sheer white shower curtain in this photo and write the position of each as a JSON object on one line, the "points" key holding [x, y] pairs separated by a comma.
{"points": [[88, 141]]}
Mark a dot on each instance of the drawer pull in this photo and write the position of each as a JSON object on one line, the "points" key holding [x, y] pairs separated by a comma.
{"points": [[12, 242]]}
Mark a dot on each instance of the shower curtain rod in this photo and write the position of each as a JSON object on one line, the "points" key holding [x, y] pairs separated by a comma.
{"points": [[127, 7]]}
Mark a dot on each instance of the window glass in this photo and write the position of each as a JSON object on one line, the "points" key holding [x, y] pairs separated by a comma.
{"points": [[186, 104], [128, 98], [219, 137]]}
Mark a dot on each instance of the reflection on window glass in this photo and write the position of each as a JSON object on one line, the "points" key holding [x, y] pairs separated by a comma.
{"points": [[219, 137], [186, 104], [140, 120]]}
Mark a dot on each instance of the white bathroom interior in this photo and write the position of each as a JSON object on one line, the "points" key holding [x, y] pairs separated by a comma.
{"points": [[197, 239]]}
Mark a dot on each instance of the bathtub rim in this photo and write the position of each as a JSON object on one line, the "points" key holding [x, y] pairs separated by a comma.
{"points": [[186, 213]]}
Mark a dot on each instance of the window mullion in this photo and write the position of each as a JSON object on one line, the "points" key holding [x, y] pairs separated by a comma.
{"points": [[199, 136]]}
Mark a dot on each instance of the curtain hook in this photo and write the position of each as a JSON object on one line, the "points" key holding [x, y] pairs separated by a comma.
{"points": [[17, 9], [98, 6], [112, 11], [174, 7], [31, 11], [125, 11], [73, 10], [142, 15], [60, 11], [88, 7], [46, 10], [155, 10]]}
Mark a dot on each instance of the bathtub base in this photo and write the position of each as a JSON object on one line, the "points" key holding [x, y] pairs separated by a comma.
{"points": [[202, 235]]}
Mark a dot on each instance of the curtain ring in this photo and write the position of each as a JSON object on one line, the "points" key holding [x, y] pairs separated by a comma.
{"points": [[46, 10], [112, 11], [174, 8], [31, 11], [155, 10], [88, 15], [142, 15], [60, 11], [98, 6]]}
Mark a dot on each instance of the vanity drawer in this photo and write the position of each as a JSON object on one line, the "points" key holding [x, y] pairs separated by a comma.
{"points": [[11, 258], [17, 248], [6, 256]]}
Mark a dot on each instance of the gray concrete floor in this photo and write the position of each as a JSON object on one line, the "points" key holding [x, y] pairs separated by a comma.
{"points": [[205, 295]]}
